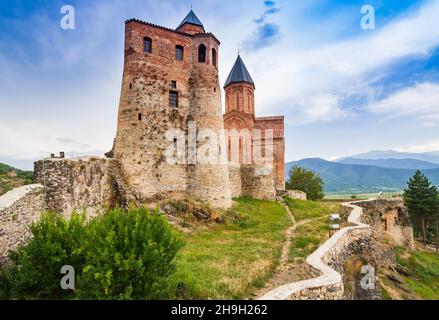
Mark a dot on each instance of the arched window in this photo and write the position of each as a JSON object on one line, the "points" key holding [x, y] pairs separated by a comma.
{"points": [[214, 57], [179, 51], [202, 53], [147, 45], [237, 102]]}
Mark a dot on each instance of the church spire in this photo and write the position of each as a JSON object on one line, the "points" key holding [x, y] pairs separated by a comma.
{"points": [[191, 19], [239, 73]]}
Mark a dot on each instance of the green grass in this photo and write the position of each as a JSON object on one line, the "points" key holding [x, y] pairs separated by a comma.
{"points": [[424, 272], [305, 209], [309, 236], [232, 260]]}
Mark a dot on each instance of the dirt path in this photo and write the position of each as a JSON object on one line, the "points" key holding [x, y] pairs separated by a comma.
{"points": [[287, 271]]}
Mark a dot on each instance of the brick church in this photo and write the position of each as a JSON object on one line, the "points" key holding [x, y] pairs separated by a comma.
{"points": [[240, 114]]}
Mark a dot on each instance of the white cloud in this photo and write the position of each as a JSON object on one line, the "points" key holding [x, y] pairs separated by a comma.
{"points": [[285, 74], [432, 146], [420, 101], [317, 108]]}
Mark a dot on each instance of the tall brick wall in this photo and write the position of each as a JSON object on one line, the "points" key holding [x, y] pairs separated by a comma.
{"points": [[240, 114], [145, 115]]}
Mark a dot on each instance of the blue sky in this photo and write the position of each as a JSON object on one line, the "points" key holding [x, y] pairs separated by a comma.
{"points": [[343, 90]]}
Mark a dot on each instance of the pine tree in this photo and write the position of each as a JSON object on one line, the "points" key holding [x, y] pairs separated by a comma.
{"points": [[421, 200]]}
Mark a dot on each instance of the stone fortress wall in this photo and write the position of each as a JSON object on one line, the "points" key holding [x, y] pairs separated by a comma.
{"points": [[81, 184], [249, 180], [329, 259], [389, 218], [19, 208]]}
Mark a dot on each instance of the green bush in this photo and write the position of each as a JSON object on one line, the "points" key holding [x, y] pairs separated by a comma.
{"points": [[120, 255], [36, 266], [131, 257]]}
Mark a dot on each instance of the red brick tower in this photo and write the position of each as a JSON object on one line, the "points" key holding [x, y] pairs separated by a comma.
{"points": [[170, 79], [240, 114]]}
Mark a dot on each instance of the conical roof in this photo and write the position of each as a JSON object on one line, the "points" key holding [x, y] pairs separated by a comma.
{"points": [[239, 73], [191, 18]]}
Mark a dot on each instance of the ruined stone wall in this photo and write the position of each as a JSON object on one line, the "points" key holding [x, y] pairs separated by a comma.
{"points": [[389, 218], [257, 182], [296, 194], [80, 184], [19, 208]]}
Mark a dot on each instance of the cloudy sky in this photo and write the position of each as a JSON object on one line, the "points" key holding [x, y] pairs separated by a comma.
{"points": [[342, 89]]}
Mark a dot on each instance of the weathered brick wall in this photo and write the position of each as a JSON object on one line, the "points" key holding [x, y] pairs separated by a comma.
{"points": [[145, 115], [19, 208], [80, 184]]}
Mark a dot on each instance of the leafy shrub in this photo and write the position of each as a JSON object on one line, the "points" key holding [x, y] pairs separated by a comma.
{"points": [[131, 256], [120, 255], [36, 266]]}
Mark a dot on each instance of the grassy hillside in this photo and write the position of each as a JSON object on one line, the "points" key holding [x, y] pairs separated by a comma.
{"points": [[11, 178], [313, 225], [349, 178], [419, 279], [232, 260]]}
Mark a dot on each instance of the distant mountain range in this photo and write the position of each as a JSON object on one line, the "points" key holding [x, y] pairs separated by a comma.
{"points": [[392, 163], [432, 157], [371, 172]]}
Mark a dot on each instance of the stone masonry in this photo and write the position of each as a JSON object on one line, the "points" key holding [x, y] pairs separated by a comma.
{"points": [[170, 97], [161, 92], [81, 184], [19, 208]]}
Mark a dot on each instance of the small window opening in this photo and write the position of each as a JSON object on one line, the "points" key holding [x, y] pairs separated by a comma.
{"points": [[173, 99], [214, 57], [179, 52], [202, 53], [174, 84], [147, 45], [140, 117]]}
